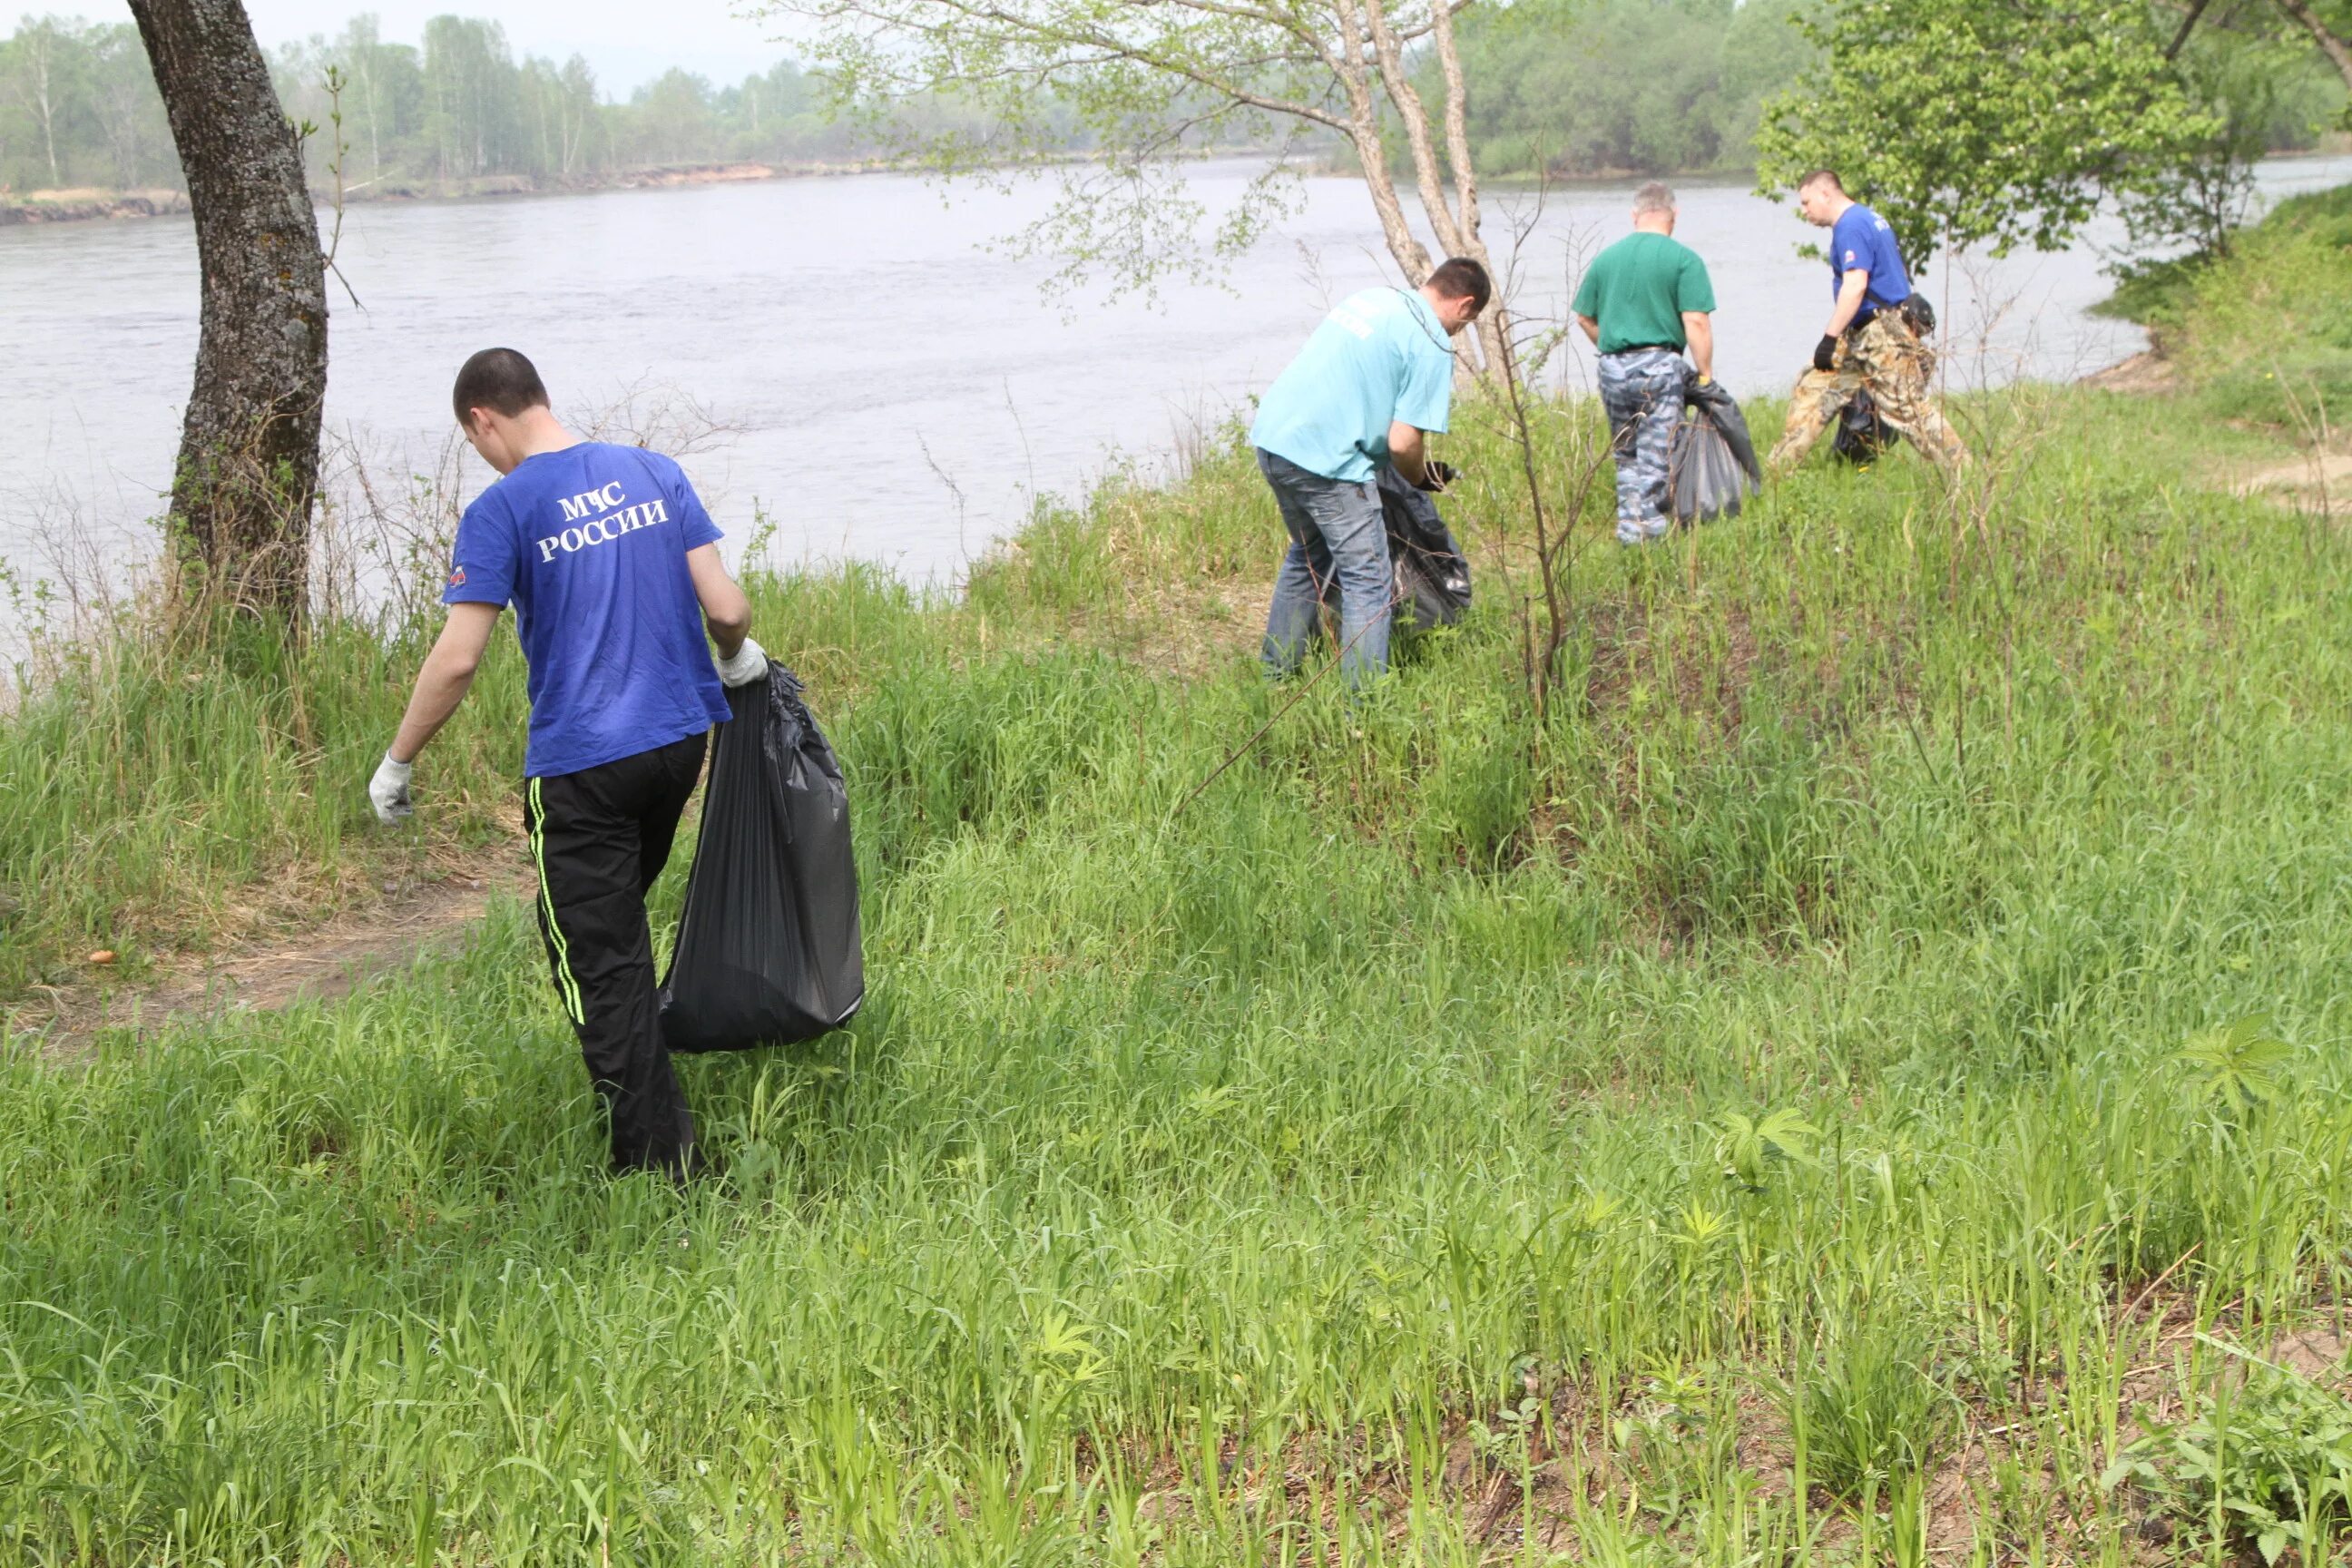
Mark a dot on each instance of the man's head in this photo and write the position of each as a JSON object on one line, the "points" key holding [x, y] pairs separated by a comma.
{"points": [[1821, 197], [501, 407], [1457, 291], [1654, 208]]}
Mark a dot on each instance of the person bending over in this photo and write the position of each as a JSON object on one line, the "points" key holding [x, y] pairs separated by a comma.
{"points": [[611, 565], [1871, 345], [1642, 303], [1373, 380]]}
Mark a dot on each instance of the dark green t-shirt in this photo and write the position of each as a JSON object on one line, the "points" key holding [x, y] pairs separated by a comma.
{"points": [[1639, 288]]}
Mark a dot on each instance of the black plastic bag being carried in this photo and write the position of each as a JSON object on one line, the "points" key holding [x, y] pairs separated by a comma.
{"points": [[1431, 575], [1711, 468], [1861, 435], [768, 948]]}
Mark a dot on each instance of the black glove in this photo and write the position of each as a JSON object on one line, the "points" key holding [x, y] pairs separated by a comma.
{"points": [[1436, 476], [1825, 352]]}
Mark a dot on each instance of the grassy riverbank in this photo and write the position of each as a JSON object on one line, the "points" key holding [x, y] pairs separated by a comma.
{"points": [[2265, 332], [1782, 1105]]}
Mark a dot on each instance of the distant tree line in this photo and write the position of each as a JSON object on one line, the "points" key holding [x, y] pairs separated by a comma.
{"points": [[1656, 87], [79, 107], [1563, 87]]}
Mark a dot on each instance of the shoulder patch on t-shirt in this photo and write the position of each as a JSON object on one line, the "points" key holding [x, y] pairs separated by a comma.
{"points": [[458, 578]]}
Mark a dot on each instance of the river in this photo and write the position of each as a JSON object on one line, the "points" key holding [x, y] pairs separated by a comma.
{"points": [[890, 385]]}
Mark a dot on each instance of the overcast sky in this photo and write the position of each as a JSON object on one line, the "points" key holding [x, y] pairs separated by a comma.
{"points": [[627, 42]]}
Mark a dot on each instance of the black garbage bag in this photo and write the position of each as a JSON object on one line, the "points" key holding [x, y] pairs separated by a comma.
{"points": [[1861, 435], [768, 949], [1711, 468], [1431, 576]]}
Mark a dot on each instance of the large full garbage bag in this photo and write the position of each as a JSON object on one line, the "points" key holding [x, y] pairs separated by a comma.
{"points": [[1431, 575], [1711, 468], [768, 949]]}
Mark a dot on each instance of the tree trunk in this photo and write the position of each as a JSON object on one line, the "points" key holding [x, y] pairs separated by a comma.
{"points": [[1371, 147], [248, 468], [2339, 53], [1493, 323], [1455, 224], [43, 46]]}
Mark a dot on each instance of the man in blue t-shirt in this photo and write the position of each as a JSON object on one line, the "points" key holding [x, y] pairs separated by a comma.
{"points": [[1871, 344], [1373, 380], [611, 565]]}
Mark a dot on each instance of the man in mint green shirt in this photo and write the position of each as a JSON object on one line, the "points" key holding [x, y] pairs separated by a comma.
{"points": [[1376, 377], [1643, 302]]}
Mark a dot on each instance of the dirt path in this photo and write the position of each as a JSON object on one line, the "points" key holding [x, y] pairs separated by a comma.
{"points": [[2320, 480], [328, 962]]}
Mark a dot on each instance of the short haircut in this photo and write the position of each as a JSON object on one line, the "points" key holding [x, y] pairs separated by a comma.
{"points": [[1823, 177], [1657, 196], [499, 380], [1459, 278]]}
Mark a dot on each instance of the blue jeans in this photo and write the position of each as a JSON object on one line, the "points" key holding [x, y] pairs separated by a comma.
{"points": [[1336, 539]]}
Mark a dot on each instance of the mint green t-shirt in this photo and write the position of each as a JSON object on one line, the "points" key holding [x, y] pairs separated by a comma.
{"points": [[1638, 290], [1382, 356]]}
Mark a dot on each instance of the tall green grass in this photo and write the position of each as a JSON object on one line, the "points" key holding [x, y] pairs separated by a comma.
{"points": [[1700, 1125]]}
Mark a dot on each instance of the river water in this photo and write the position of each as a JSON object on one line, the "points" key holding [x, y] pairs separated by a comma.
{"points": [[890, 386]]}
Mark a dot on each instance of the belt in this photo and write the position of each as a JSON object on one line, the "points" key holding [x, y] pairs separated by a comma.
{"points": [[1643, 349], [1895, 310]]}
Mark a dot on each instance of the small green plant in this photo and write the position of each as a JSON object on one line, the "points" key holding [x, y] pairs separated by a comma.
{"points": [[2238, 1067], [1749, 1150], [2268, 1461], [1673, 1440], [1870, 1411]]}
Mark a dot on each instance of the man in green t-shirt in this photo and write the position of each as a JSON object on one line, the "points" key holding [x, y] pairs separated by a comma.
{"points": [[1643, 302]]}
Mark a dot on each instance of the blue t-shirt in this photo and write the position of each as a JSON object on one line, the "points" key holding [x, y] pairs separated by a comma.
{"points": [[589, 544], [1861, 239], [1383, 355]]}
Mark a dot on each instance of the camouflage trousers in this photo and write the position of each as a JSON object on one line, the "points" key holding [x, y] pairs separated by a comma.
{"points": [[1642, 393], [1887, 360]]}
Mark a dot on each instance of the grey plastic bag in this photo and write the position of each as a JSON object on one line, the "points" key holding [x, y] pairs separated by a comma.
{"points": [[1711, 468]]}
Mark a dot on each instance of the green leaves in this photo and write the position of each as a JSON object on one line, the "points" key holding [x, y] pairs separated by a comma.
{"points": [[1996, 122], [1747, 1149], [2271, 1460], [2237, 1068]]}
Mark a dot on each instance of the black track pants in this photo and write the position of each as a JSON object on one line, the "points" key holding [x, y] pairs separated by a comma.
{"points": [[600, 838]]}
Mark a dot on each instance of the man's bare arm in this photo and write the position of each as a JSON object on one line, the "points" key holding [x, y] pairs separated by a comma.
{"points": [[448, 675], [1407, 450], [1699, 328], [1850, 291], [726, 610], [1591, 329]]}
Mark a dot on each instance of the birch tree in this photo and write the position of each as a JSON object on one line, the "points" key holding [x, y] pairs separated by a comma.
{"points": [[1149, 79]]}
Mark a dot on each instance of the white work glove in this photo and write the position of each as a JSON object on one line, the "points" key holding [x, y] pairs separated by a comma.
{"points": [[389, 791], [749, 664]]}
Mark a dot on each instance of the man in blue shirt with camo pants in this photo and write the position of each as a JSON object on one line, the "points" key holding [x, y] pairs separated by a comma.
{"points": [[1871, 345]]}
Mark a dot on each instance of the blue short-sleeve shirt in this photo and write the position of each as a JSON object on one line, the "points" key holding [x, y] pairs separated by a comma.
{"points": [[1382, 356], [1860, 238], [589, 545]]}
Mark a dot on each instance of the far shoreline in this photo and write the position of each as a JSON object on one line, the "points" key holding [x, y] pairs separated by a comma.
{"points": [[36, 209], [40, 208]]}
